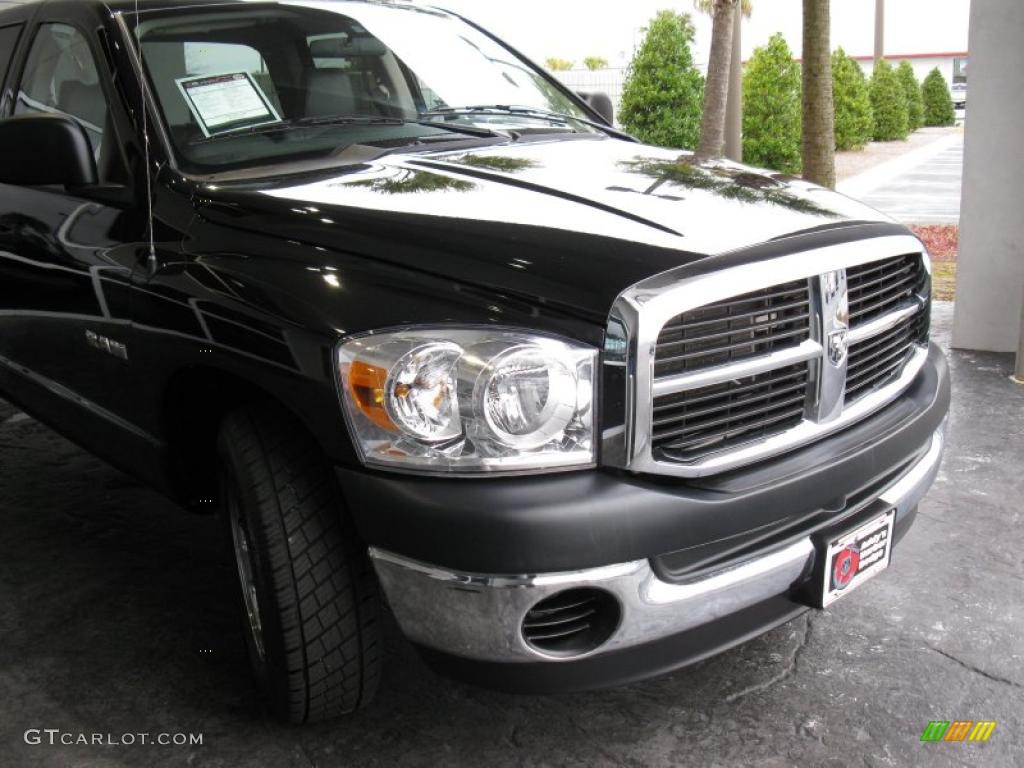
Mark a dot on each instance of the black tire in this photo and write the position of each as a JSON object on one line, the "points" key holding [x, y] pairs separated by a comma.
{"points": [[314, 644]]}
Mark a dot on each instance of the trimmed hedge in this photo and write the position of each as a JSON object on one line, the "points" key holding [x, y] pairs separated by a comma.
{"points": [[912, 89], [771, 108], [938, 104], [855, 125], [663, 96], [888, 104]]}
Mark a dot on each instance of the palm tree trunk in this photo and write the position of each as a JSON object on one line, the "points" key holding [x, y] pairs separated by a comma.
{"points": [[716, 89], [734, 108], [879, 30], [819, 142]]}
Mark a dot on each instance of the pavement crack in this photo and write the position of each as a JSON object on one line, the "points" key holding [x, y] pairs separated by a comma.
{"points": [[974, 669], [785, 672], [512, 738], [595, 742], [309, 757]]}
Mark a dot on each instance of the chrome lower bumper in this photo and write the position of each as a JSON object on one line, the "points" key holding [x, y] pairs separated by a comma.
{"points": [[479, 616]]}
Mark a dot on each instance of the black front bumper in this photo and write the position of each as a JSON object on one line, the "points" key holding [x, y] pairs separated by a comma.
{"points": [[456, 557]]}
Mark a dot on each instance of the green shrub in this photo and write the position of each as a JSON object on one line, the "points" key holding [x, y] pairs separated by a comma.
{"points": [[888, 104], [938, 104], [912, 89], [594, 63], [771, 108], [855, 125], [555, 64], [663, 95]]}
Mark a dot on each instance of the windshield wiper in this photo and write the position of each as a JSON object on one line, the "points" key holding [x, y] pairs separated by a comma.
{"points": [[306, 122], [506, 109]]}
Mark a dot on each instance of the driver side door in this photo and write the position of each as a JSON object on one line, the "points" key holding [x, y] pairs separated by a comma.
{"points": [[64, 352]]}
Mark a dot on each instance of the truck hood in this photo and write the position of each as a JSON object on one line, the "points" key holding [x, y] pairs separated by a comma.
{"points": [[568, 222]]}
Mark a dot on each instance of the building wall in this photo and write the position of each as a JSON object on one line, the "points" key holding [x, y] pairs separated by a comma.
{"points": [[922, 65], [990, 280]]}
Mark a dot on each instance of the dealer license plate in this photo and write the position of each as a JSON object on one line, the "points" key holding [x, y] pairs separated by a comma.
{"points": [[854, 557]]}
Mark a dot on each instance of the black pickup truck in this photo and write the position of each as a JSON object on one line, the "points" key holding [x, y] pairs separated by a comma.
{"points": [[435, 338]]}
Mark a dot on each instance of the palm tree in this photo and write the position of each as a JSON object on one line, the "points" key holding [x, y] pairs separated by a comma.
{"points": [[716, 89], [818, 144]]}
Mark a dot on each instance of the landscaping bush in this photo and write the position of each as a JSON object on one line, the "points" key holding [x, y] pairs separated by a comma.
{"points": [[771, 108], [555, 64], [855, 125], [938, 104], [912, 89], [888, 104], [663, 95]]}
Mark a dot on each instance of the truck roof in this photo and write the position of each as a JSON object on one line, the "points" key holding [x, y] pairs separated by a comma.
{"points": [[127, 6]]}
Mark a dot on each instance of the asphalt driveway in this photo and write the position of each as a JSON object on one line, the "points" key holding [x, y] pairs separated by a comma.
{"points": [[117, 616]]}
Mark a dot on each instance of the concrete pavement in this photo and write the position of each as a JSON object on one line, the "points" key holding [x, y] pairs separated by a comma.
{"points": [[118, 615], [920, 187]]}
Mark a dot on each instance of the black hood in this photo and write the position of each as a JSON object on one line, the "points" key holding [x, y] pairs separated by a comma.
{"points": [[570, 223]]}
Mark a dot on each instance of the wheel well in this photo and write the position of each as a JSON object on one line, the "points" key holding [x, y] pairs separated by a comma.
{"points": [[194, 405]]}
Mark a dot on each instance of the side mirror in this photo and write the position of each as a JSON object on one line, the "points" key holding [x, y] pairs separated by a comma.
{"points": [[40, 150], [600, 103]]}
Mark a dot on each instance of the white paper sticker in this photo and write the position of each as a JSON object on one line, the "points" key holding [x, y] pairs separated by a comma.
{"points": [[228, 102]]}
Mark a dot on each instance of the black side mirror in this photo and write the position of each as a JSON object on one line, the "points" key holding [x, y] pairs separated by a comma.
{"points": [[600, 103], [39, 150]]}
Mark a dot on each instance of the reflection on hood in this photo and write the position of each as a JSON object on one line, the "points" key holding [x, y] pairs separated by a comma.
{"points": [[411, 181], [730, 183], [501, 163]]}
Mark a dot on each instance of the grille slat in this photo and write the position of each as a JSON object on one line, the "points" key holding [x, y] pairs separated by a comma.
{"points": [[684, 413], [881, 356], [876, 289], [886, 294], [721, 415], [722, 334], [802, 333], [803, 304], [731, 416], [862, 283], [750, 325], [730, 402], [748, 431], [665, 404]]}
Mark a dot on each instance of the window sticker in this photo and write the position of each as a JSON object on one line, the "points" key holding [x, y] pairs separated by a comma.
{"points": [[229, 102]]}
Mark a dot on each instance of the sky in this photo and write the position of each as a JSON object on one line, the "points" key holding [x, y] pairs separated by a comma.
{"points": [[574, 29]]}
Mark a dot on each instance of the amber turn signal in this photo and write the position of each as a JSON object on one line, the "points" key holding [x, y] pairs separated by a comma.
{"points": [[366, 382]]}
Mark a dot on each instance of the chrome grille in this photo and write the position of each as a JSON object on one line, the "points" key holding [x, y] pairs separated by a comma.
{"points": [[745, 326], [724, 371], [877, 361], [879, 287], [712, 418]]}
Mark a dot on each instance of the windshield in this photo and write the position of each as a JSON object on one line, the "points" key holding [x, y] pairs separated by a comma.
{"points": [[260, 83]]}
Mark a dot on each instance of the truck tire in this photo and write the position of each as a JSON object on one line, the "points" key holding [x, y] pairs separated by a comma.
{"points": [[310, 598]]}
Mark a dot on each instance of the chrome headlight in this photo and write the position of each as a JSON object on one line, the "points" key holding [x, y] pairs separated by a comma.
{"points": [[468, 400]]}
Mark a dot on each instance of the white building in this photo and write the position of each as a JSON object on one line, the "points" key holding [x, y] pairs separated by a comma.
{"points": [[952, 64]]}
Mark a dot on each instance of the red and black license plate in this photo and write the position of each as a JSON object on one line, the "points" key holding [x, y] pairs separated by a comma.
{"points": [[853, 557]]}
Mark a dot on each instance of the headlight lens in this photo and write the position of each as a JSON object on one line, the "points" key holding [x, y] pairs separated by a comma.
{"points": [[468, 401], [420, 393]]}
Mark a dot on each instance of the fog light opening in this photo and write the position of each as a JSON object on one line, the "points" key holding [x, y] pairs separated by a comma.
{"points": [[572, 623]]}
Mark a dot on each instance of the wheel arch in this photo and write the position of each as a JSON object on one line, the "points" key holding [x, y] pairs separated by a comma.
{"points": [[193, 406]]}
